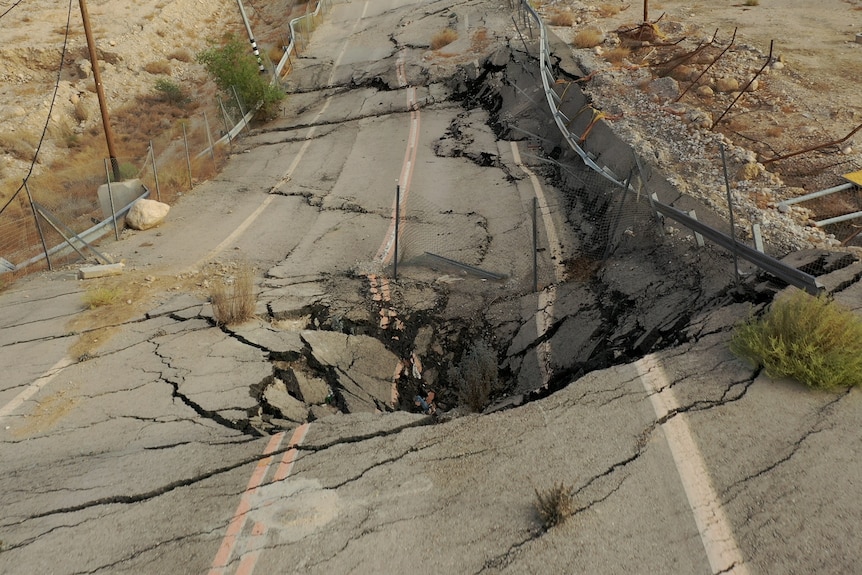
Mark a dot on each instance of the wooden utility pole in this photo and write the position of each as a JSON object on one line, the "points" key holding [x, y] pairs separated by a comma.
{"points": [[100, 91]]}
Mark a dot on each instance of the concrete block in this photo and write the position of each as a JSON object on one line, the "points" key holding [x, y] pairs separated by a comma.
{"points": [[124, 193], [91, 272]]}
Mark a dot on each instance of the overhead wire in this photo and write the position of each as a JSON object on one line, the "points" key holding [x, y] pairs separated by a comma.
{"points": [[10, 8], [50, 108]]}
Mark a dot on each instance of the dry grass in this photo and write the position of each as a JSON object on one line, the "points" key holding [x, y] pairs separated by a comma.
{"points": [[443, 37], [233, 298], [608, 10], [82, 113], [475, 376], [559, 17], [19, 145], [588, 38], [182, 55], [158, 68], [617, 54], [274, 54], [101, 296], [554, 505]]}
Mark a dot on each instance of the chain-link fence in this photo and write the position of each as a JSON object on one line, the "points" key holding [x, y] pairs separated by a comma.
{"points": [[59, 213]]}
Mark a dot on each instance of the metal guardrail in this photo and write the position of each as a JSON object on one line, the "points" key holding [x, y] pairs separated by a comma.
{"points": [[243, 122], [308, 18], [766, 263]]}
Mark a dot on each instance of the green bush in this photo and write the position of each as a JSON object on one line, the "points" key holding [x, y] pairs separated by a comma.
{"points": [[810, 339], [234, 67], [171, 92]]}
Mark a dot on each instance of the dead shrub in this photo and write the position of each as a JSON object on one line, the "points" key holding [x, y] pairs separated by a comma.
{"points": [[19, 145], [274, 54], [233, 298], [554, 505], [159, 67], [618, 54], [588, 38], [182, 55], [608, 10], [561, 18], [443, 38], [475, 377], [82, 112]]}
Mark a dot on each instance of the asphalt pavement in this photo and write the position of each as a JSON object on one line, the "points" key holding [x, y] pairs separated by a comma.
{"points": [[150, 450]]}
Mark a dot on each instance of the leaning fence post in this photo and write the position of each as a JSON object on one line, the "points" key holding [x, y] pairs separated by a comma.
{"points": [[155, 172], [241, 111], [397, 230], [730, 210], [535, 245], [209, 137], [38, 225], [111, 199], [188, 160]]}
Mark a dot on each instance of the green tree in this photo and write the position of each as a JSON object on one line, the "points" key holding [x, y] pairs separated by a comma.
{"points": [[234, 67]]}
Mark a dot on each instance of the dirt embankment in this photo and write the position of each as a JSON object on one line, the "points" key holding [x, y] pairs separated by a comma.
{"points": [[138, 43]]}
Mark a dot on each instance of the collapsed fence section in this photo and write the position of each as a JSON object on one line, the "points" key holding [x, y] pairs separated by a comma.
{"points": [[585, 135]]}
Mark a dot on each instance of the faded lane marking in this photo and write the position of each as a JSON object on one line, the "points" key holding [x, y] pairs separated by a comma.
{"points": [[547, 296], [34, 387], [712, 523], [240, 542], [240, 516], [293, 165], [286, 465]]}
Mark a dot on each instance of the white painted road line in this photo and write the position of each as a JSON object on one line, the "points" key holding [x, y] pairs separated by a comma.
{"points": [[34, 387], [715, 530], [547, 297]]}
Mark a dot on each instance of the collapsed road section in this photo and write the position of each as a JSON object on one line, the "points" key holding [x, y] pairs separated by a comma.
{"points": [[442, 339]]}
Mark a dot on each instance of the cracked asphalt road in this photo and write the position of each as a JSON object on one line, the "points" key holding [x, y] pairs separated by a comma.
{"points": [[148, 454]]}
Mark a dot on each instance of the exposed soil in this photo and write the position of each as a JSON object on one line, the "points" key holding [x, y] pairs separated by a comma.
{"points": [[804, 96]]}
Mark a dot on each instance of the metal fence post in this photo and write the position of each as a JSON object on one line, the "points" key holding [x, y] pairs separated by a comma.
{"points": [[730, 210], [209, 137], [111, 199], [155, 172], [188, 160], [535, 245], [241, 110], [397, 229], [38, 225]]}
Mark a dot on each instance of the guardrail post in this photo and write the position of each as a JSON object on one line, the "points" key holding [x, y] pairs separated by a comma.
{"points": [[758, 238], [698, 238]]}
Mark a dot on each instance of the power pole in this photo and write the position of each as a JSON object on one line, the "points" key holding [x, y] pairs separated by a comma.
{"points": [[251, 37], [100, 91]]}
